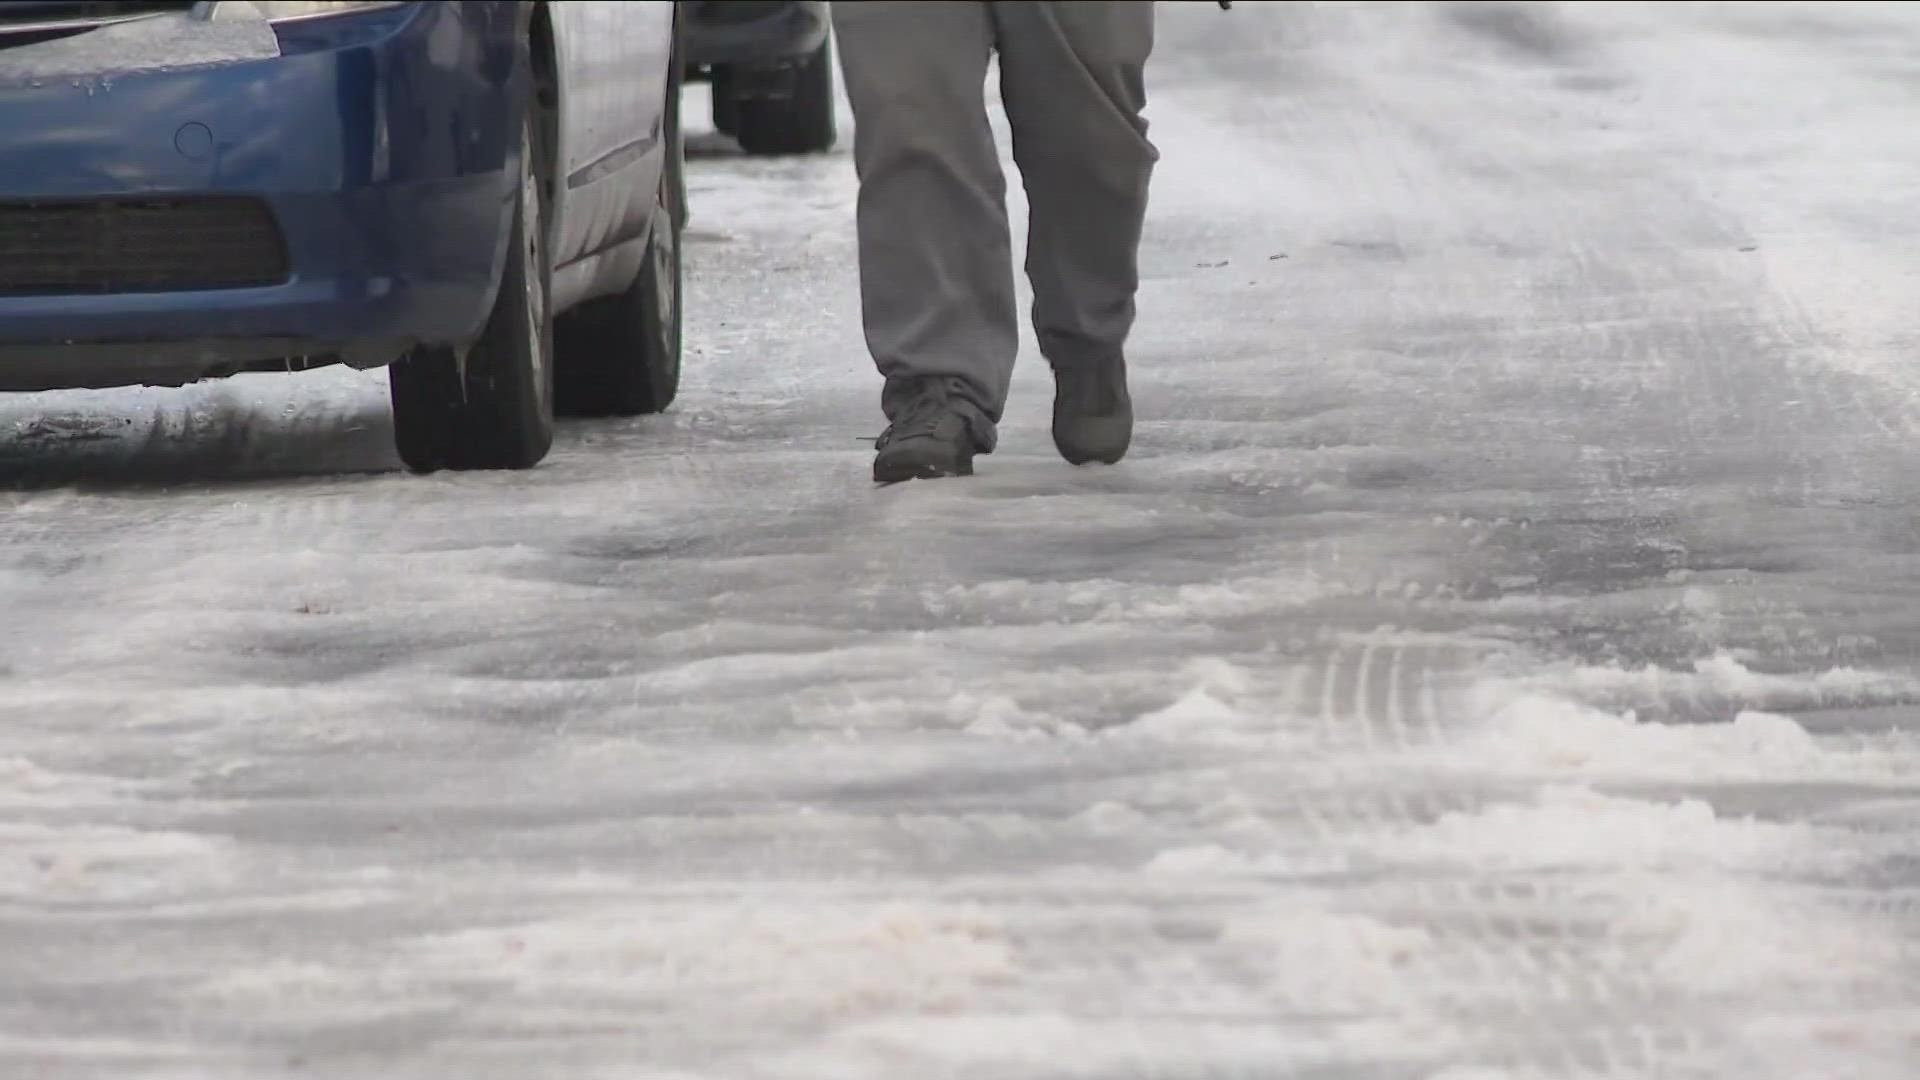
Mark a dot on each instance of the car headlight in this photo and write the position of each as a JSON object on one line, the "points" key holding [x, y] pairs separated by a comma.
{"points": [[283, 10]]}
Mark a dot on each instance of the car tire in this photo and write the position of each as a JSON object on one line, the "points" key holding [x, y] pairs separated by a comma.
{"points": [[801, 122], [726, 110], [494, 409], [619, 355]]}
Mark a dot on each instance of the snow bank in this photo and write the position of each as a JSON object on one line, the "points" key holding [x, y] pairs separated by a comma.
{"points": [[1587, 722], [806, 963], [1573, 827]]}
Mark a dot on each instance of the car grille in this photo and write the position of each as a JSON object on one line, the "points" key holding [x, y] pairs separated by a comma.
{"points": [[730, 12], [139, 245]]}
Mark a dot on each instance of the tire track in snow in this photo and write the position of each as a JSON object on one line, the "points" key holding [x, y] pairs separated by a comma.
{"points": [[1396, 703], [1330, 727], [1363, 701], [1513, 951]]}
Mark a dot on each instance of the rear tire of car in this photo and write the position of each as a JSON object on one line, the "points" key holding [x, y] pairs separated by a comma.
{"points": [[620, 355], [801, 122], [495, 409], [726, 110]]}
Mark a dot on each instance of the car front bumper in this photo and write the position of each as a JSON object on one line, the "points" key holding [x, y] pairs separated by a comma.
{"points": [[378, 141], [753, 31]]}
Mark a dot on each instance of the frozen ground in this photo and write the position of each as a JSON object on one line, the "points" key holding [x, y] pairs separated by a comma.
{"points": [[1497, 662]]}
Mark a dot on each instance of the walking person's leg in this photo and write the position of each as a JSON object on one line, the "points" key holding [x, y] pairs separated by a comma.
{"points": [[936, 274], [1072, 77]]}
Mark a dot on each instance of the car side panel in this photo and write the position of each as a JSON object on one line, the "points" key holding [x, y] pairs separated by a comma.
{"points": [[613, 62]]}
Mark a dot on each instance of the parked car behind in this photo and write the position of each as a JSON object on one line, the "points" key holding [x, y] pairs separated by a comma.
{"points": [[482, 196], [771, 66]]}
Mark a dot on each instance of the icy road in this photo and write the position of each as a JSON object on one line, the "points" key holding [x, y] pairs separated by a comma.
{"points": [[1500, 659]]}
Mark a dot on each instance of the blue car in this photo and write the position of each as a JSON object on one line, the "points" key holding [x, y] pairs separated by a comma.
{"points": [[482, 195]]}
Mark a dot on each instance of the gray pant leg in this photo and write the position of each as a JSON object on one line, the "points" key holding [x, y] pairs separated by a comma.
{"points": [[1072, 77], [936, 273]]}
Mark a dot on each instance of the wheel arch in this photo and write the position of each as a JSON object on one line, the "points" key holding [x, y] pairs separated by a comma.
{"points": [[536, 68]]}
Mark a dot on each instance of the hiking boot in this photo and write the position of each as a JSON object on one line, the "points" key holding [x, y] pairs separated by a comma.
{"points": [[927, 440], [1092, 413]]}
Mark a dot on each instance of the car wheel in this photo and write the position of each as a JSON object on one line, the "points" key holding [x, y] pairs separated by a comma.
{"points": [[799, 123], [494, 409], [619, 355]]}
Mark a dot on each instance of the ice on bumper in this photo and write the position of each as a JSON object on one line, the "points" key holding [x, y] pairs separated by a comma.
{"points": [[158, 43]]}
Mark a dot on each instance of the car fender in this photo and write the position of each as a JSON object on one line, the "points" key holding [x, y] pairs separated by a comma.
{"points": [[613, 67], [508, 64]]}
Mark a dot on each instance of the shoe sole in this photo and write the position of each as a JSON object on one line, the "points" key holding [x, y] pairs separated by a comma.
{"points": [[1084, 455], [900, 474], [1092, 459]]}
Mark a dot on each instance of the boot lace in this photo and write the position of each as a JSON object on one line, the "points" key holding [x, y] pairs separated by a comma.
{"points": [[920, 419]]}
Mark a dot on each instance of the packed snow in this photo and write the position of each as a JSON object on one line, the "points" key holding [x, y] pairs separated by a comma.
{"points": [[1495, 662]]}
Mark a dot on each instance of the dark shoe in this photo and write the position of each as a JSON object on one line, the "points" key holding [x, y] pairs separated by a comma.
{"points": [[1092, 413], [929, 439]]}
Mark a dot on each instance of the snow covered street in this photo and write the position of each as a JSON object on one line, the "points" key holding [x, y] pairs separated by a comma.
{"points": [[1498, 660]]}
